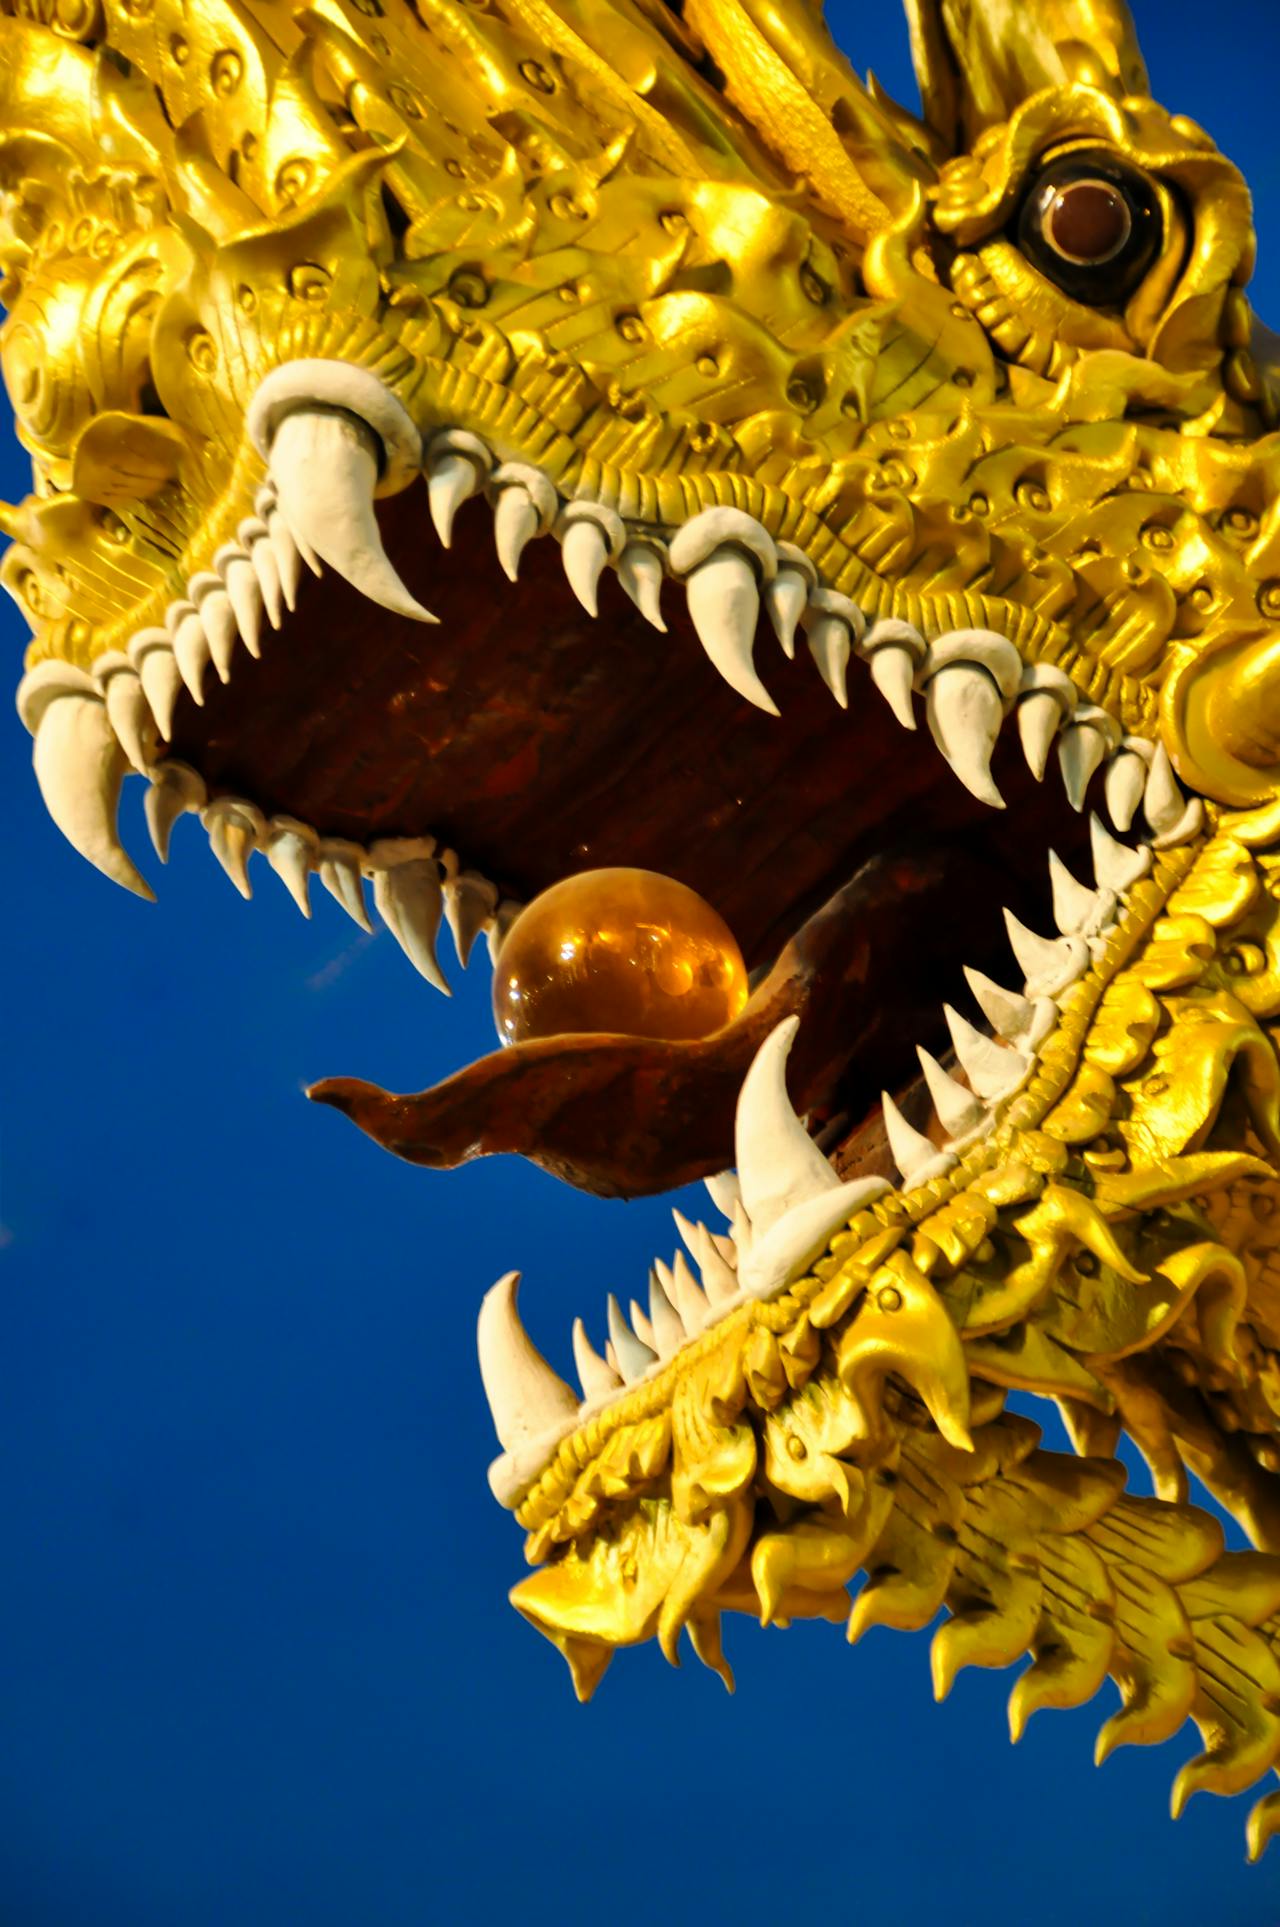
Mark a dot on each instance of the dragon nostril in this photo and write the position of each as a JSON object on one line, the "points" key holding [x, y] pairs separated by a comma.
{"points": [[149, 402]]}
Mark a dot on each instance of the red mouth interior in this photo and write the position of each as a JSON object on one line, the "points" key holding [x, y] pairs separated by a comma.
{"points": [[538, 741]]}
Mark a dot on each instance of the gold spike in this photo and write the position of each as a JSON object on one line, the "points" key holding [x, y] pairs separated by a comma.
{"points": [[763, 57], [976, 62]]}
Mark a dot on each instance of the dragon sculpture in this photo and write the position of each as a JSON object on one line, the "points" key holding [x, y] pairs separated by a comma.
{"points": [[801, 420]]}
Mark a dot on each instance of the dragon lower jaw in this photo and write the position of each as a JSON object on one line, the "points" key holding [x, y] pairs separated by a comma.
{"points": [[786, 1199]]}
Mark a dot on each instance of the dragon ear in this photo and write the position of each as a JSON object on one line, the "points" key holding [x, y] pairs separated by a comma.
{"points": [[977, 60]]}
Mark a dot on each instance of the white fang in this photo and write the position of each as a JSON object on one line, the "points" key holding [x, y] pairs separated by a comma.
{"points": [[526, 1398], [80, 768], [779, 1165], [325, 468]]}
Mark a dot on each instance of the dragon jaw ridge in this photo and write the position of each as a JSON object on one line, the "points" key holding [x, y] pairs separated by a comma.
{"points": [[782, 464]]}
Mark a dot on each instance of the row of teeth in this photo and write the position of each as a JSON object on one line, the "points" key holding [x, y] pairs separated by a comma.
{"points": [[334, 437], [127, 706], [414, 883], [785, 1200]]}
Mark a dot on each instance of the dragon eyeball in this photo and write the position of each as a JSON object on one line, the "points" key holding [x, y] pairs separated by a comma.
{"points": [[621, 951], [1092, 225]]}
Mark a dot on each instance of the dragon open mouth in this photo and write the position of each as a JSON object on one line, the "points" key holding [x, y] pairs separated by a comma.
{"points": [[734, 732], [588, 691]]}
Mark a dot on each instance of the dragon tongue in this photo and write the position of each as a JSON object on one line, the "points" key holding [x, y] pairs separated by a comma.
{"points": [[628, 1116]]}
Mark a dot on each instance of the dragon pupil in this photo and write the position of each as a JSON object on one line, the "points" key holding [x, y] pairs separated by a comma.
{"points": [[1091, 224], [1088, 221]]}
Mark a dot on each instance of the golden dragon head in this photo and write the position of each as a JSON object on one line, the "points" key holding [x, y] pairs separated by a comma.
{"points": [[632, 423]]}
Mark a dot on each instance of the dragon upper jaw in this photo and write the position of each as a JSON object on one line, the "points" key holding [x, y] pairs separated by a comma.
{"points": [[336, 421], [341, 422]]}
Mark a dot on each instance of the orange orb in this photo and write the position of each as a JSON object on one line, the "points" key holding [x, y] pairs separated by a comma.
{"points": [[622, 951]]}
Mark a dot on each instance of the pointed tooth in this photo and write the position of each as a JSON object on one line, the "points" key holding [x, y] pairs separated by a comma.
{"points": [[796, 1238], [526, 1398], [964, 711], [830, 645], [174, 791], [1039, 716], [288, 557], [724, 1244], [1048, 964], [1125, 781], [218, 620], [1081, 750], [918, 1159], [724, 1192], [495, 930], [993, 1070], [453, 479], [719, 1280], [283, 539], [340, 864], [785, 599], [1162, 799], [687, 1295], [642, 1325], [779, 1165], [1115, 865], [469, 902], [515, 523], [1007, 1011], [262, 559], [641, 573], [741, 1233], [244, 592], [236, 829], [668, 1326], [325, 468], [80, 768], [1186, 825], [633, 1356], [893, 671], [191, 650], [1077, 910], [597, 1378], [409, 898], [584, 550], [724, 606], [693, 1235], [129, 714], [151, 654], [292, 850], [959, 1110]]}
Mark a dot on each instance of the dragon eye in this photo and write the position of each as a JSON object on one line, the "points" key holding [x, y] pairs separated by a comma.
{"points": [[1092, 225]]}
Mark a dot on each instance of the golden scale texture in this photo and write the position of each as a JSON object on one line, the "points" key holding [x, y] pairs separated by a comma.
{"points": [[676, 261]]}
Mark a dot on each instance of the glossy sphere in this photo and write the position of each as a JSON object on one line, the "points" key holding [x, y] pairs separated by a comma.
{"points": [[624, 951], [1088, 221]]}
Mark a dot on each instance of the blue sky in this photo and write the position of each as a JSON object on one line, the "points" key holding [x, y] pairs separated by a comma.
{"points": [[256, 1660]]}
